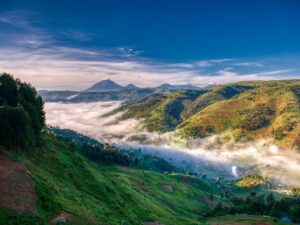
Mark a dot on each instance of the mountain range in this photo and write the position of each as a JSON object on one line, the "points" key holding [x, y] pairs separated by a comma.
{"points": [[108, 90], [108, 86]]}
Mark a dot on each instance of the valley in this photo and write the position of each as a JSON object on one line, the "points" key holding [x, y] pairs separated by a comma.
{"points": [[164, 125], [132, 161], [149, 112]]}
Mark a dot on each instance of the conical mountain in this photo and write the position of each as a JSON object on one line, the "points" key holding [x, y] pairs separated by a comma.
{"points": [[105, 85], [131, 87]]}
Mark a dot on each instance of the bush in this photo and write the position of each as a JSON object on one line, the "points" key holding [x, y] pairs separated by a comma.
{"points": [[296, 191], [258, 118]]}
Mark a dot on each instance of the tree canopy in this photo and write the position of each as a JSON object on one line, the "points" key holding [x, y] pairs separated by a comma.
{"points": [[21, 114]]}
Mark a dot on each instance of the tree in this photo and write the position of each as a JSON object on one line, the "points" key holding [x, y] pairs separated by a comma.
{"points": [[15, 130], [8, 90], [22, 114], [106, 147]]}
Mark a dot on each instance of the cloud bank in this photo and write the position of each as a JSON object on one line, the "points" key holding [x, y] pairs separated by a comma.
{"points": [[208, 156]]}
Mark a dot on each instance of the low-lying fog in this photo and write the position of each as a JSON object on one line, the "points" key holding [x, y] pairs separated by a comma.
{"points": [[206, 156]]}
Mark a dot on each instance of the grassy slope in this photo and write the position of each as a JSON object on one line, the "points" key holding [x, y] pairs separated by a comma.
{"points": [[216, 94], [162, 112], [66, 181], [251, 109], [283, 123]]}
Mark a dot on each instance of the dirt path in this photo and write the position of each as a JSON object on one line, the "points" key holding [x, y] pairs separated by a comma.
{"points": [[17, 190]]}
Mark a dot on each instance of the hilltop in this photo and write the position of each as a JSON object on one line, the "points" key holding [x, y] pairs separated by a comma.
{"points": [[104, 85]]}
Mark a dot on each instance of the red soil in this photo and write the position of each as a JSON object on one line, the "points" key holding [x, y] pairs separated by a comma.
{"points": [[17, 190]]}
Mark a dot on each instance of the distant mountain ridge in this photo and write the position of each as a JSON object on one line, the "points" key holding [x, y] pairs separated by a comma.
{"points": [[109, 85], [108, 90], [104, 85], [178, 87], [131, 87]]}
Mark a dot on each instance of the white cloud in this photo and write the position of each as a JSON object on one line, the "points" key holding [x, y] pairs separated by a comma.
{"points": [[249, 64], [87, 118], [207, 156], [74, 68], [35, 57]]}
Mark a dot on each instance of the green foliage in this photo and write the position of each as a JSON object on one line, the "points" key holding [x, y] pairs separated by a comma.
{"points": [[259, 118], [267, 110], [8, 217], [8, 90], [296, 191], [215, 95], [251, 181], [98, 192], [21, 114], [246, 110], [245, 219], [15, 130], [161, 113], [110, 154], [261, 204], [296, 90]]}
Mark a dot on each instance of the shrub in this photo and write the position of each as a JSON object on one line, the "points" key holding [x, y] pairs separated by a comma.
{"points": [[296, 191], [258, 118]]}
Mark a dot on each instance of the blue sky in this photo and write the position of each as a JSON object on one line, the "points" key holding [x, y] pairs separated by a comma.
{"points": [[72, 44]]}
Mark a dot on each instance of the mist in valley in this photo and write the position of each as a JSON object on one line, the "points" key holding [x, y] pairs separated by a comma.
{"points": [[211, 156]]}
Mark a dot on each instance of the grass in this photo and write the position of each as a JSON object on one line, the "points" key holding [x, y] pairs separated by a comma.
{"points": [[251, 181], [248, 110], [245, 219], [161, 113], [270, 110], [67, 182]]}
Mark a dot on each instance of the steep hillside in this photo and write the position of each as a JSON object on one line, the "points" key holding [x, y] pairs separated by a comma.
{"points": [[269, 110], [65, 182], [257, 109], [161, 112], [215, 94], [63, 187]]}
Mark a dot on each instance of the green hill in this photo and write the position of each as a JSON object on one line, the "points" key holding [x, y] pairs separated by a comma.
{"points": [[70, 189], [250, 110], [161, 112], [67, 182], [216, 94], [270, 110]]}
